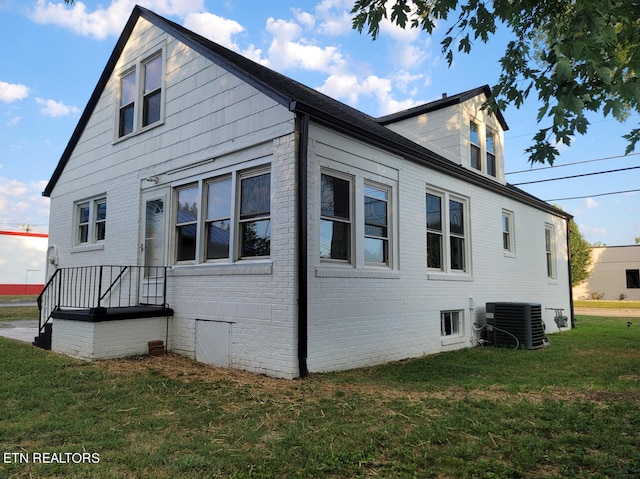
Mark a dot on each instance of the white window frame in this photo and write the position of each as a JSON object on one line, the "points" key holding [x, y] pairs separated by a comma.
{"points": [[386, 239], [550, 251], [508, 233], [446, 234], [338, 219], [455, 318], [491, 155], [359, 180], [235, 222], [139, 70], [475, 146], [95, 233]]}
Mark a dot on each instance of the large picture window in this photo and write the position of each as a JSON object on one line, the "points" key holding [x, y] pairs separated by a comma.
{"points": [[446, 232], [213, 213]]}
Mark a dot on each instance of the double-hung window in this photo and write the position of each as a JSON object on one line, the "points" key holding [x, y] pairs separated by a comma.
{"points": [[490, 143], [376, 224], [213, 213], [255, 217], [355, 219], [91, 221], [335, 218], [141, 93], [508, 240], [187, 206], [447, 233], [550, 250], [218, 221], [474, 146]]}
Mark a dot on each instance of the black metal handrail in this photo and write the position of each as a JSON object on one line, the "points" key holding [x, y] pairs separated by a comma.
{"points": [[88, 287]]}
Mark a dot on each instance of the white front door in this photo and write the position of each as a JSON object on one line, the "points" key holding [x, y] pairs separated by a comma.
{"points": [[153, 247]]}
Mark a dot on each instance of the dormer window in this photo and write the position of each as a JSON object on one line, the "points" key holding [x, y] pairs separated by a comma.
{"points": [[474, 141], [491, 153], [140, 104], [482, 139]]}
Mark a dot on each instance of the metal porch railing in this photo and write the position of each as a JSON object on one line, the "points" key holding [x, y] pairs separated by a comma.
{"points": [[91, 287]]}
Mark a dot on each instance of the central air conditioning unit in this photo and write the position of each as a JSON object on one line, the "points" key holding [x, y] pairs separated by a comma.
{"points": [[515, 325]]}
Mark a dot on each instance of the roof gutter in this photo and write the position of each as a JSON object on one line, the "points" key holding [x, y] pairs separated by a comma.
{"points": [[433, 161]]}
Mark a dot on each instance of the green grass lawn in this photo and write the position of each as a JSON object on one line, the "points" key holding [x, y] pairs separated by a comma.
{"points": [[17, 313], [571, 410], [606, 304]]}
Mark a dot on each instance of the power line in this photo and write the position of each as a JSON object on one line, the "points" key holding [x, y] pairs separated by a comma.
{"points": [[576, 176], [592, 196], [571, 164]]}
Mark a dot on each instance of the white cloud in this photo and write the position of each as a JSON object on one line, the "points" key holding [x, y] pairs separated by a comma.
{"points": [[14, 121], [10, 92], [23, 203], [214, 27], [56, 108], [104, 22], [289, 50], [591, 203], [334, 16], [304, 18], [349, 88]]}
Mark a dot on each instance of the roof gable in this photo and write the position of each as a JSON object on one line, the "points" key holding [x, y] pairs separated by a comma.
{"points": [[300, 99], [444, 102]]}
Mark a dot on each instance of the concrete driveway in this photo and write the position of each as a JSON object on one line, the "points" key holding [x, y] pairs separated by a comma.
{"points": [[24, 331]]}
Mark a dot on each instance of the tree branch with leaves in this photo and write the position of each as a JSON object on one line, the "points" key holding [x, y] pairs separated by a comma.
{"points": [[580, 56]]}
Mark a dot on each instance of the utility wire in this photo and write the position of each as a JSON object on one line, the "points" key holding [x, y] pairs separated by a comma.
{"points": [[570, 164], [576, 176], [592, 196]]}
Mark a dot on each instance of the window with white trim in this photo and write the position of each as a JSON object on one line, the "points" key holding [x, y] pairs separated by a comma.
{"points": [[447, 232], [508, 240], [91, 220], [475, 158], [451, 323], [490, 143], [335, 217], [213, 213], [550, 250], [376, 224], [141, 96], [356, 226]]}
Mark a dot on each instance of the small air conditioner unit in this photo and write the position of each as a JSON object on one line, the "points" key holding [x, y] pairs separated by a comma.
{"points": [[508, 322]]}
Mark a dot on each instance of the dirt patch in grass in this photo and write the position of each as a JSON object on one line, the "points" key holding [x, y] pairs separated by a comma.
{"points": [[290, 391]]}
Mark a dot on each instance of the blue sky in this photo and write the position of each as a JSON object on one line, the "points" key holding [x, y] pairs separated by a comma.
{"points": [[54, 54]]}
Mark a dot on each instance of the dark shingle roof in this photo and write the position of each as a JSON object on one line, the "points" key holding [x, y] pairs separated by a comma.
{"points": [[300, 99]]}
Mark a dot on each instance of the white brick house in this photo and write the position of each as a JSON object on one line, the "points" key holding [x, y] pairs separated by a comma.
{"points": [[300, 234]]}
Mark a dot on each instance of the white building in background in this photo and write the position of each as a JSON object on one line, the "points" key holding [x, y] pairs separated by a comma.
{"points": [[22, 262], [615, 274], [298, 234]]}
